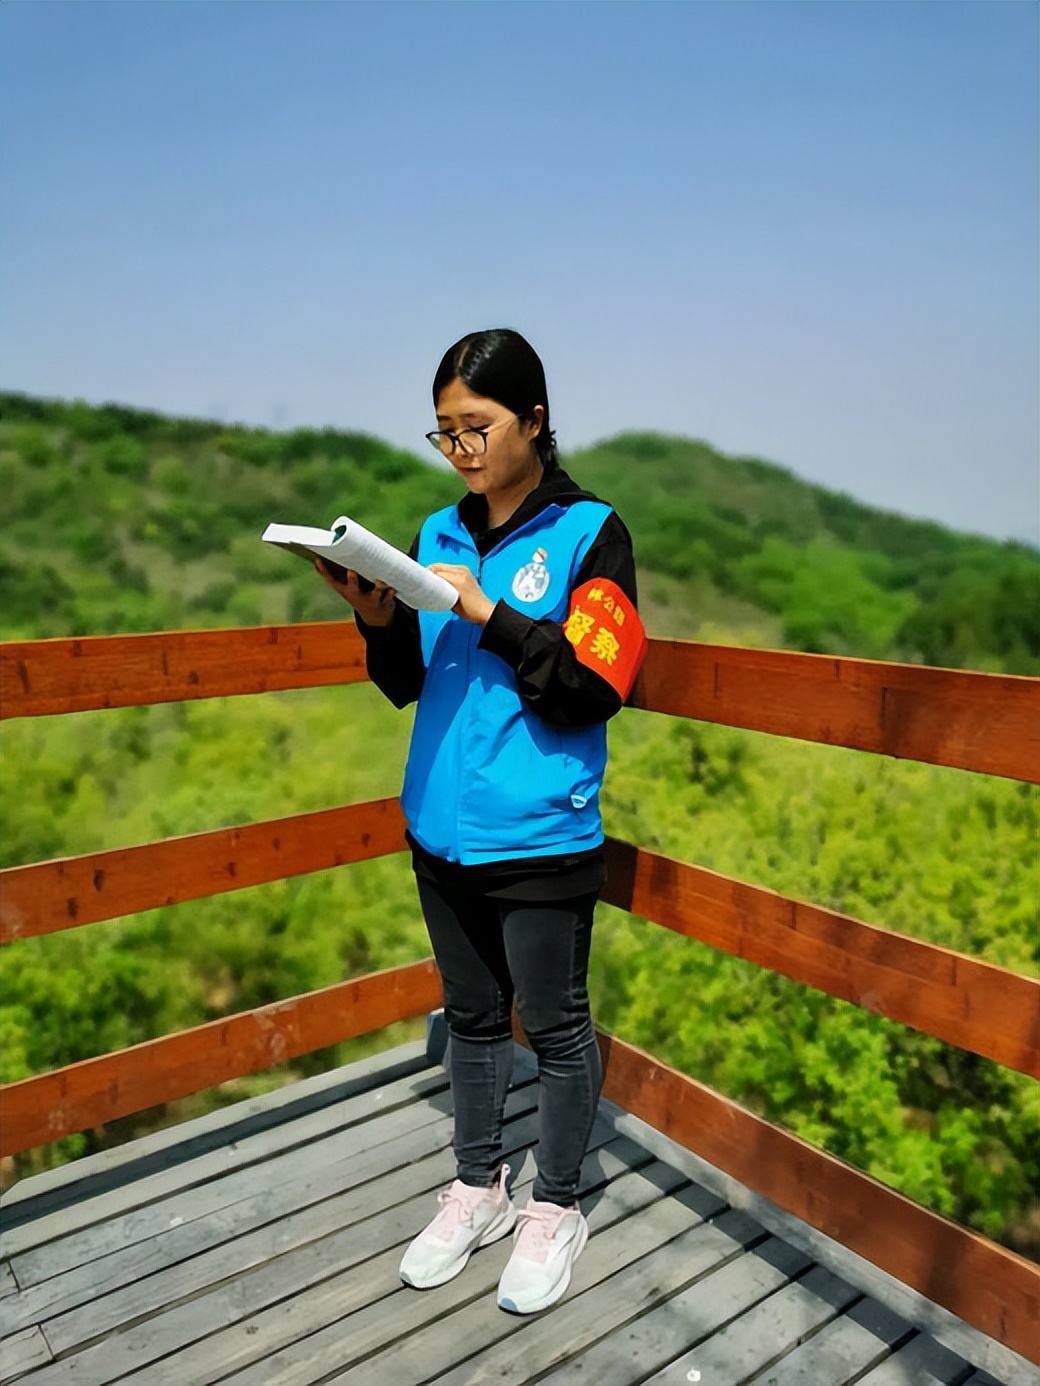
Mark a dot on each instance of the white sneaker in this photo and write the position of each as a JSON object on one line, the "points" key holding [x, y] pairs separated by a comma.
{"points": [[547, 1241], [469, 1217]]}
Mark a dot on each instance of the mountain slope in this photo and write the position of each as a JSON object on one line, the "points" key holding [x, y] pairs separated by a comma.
{"points": [[122, 519], [840, 576]]}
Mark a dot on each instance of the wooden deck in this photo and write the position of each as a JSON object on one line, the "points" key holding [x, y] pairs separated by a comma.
{"points": [[260, 1245]]}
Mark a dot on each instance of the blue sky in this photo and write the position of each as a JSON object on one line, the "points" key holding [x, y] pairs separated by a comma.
{"points": [[801, 231]]}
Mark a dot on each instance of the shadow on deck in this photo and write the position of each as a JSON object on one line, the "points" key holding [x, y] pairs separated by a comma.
{"points": [[260, 1245]]}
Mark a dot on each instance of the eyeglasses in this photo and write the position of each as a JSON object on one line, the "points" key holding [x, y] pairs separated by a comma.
{"points": [[471, 441]]}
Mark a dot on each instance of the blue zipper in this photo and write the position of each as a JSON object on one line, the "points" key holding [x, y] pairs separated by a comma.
{"points": [[464, 542]]}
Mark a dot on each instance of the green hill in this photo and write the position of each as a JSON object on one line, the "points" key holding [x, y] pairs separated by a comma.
{"points": [[121, 520], [839, 577]]}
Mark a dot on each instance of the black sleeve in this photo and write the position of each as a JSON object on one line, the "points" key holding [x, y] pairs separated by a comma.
{"points": [[393, 653], [549, 676]]}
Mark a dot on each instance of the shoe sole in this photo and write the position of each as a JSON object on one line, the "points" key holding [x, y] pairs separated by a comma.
{"points": [[497, 1229], [560, 1289]]}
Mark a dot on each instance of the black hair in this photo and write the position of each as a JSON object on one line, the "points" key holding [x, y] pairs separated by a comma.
{"points": [[501, 365]]}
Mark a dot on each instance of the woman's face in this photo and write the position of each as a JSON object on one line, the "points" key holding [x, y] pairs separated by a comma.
{"points": [[511, 460]]}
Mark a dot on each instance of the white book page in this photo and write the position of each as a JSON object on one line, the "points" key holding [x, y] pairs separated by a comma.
{"points": [[353, 546]]}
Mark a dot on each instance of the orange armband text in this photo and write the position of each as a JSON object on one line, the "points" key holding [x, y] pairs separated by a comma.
{"points": [[604, 627]]}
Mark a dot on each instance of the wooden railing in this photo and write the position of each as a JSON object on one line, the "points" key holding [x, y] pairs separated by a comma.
{"points": [[980, 722]]}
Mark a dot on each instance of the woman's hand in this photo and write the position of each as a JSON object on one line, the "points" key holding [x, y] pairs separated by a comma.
{"points": [[472, 603], [376, 608]]}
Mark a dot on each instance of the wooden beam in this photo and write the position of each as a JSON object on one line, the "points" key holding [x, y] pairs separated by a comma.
{"points": [[49, 896], [964, 1001], [987, 1286], [984, 722], [90, 1093], [42, 677]]}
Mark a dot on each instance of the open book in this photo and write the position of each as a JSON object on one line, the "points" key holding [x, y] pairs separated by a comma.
{"points": [[349, 545]]}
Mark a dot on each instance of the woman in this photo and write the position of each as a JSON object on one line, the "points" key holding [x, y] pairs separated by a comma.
{"points": [[514, 686]]}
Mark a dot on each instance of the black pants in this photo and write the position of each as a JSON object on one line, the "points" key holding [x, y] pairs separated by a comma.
{"points": [[489, 952]]}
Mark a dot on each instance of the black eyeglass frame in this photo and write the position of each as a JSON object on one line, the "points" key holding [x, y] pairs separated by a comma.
{"points": [[481, 432], [455, 438]]}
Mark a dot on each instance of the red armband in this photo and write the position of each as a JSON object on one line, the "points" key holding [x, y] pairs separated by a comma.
{"points": [[607, 634]]}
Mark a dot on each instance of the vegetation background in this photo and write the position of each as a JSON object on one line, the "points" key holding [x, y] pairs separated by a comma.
{"points": [[123, 520]]}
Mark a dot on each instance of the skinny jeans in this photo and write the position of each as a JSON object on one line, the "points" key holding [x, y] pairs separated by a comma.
{"points": [[491, 952]]}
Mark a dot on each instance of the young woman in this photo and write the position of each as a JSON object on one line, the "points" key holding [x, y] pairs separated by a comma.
{"points": [[514, 686]]}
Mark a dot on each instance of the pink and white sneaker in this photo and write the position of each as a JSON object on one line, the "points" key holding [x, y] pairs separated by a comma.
{"points": [[547, 1241], [469, 1217]]}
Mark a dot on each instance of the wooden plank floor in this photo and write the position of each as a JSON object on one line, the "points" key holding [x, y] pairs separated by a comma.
{"points": [[260, 1245]]}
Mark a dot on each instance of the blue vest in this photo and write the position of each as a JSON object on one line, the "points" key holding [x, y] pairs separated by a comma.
{"points": [[487, 779]]}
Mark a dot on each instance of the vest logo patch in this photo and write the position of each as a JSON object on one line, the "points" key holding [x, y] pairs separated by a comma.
{"points": [[532, 580]]}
